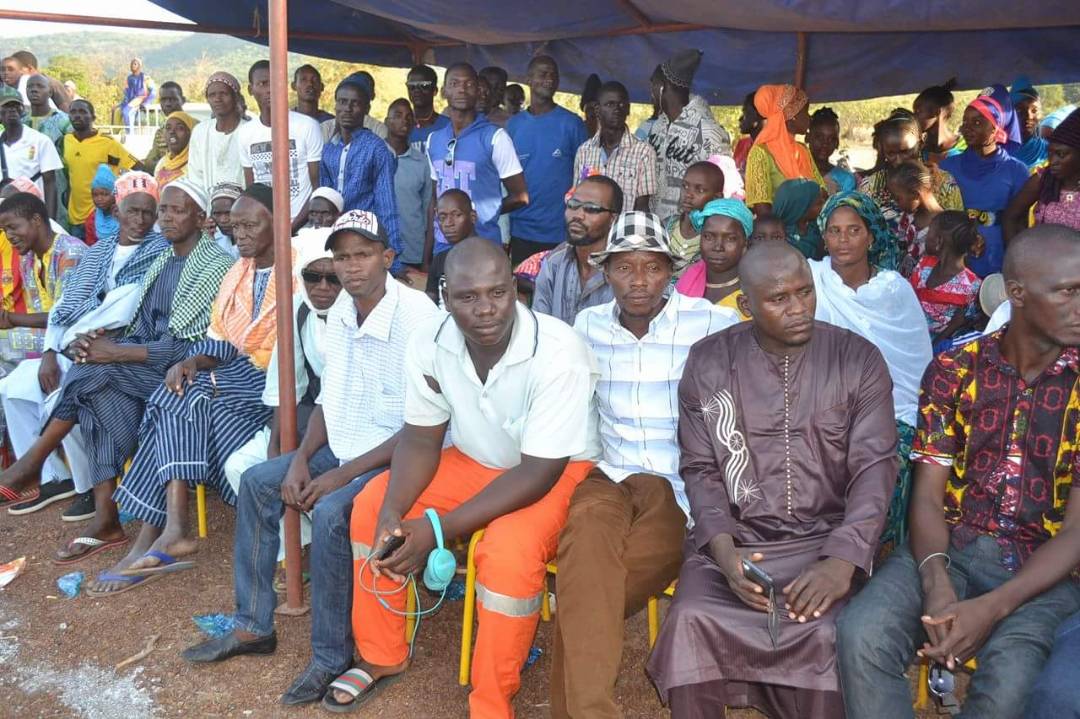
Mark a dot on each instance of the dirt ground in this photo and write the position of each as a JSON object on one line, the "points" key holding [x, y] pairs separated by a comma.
{"points": [[57, 655]]}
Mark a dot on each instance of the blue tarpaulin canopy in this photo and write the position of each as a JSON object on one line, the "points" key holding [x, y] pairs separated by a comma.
{"points": [[854, 48]]}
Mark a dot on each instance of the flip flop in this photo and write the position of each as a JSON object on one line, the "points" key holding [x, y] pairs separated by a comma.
{"points": [[96, 545], [169, 564], [9, 497], [358, 684], [132, 582]]}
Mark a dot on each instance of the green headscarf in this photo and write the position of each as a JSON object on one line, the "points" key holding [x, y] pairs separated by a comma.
{"points": [[884, 252], [790, 202], [735, 209]]}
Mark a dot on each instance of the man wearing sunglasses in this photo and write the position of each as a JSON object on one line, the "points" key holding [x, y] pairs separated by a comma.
{"points": [[422, 83], [474, 156], [568, 282]]}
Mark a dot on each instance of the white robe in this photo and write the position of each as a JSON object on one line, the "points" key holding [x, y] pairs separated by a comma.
{"points": [[886, 312]]}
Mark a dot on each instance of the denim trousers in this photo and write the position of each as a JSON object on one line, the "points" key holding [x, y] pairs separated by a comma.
{"points": [[1056, 694], [880, 629], [258, 509]]}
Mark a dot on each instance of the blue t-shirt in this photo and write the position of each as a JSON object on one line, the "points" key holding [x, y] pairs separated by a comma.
{"points": [[546, 145], [987, 185], [419, 135], [477, 167]]}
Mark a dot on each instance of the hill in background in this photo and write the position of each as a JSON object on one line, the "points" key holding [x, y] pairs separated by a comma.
{"points": [[98, 60]]}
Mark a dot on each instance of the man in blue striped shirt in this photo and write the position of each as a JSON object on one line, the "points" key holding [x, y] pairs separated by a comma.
{"points": [[358, 164], [622, 542]]}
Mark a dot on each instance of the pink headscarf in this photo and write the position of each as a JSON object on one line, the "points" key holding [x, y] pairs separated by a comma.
{"points": [[25, 184]]}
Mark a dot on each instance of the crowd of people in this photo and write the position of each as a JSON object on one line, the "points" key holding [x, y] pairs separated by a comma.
{"points": [[836, 407]]}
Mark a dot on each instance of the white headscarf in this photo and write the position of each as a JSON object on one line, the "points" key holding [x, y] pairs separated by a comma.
{"points": [[885, 312], [310, 245]]}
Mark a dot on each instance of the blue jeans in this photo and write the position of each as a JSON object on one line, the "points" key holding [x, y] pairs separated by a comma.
{"points": [[258, 510], [1056, 694], [880, 629]]}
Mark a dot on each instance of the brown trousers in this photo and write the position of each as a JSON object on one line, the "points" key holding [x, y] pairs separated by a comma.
{"points": [[621, 544]]}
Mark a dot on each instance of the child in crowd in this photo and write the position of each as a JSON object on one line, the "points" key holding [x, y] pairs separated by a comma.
{"points": [[702, 182], [768, 227], [102, 222], [946, 288], [457, 220]]}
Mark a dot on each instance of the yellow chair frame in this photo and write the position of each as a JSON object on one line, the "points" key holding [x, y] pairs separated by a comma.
{"points": [[653, 611], [469, 609], [200, 500], [922, 687]]}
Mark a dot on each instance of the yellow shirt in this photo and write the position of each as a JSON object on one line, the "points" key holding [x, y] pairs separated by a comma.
{"points": [[10, 284], [763, 176], [732, 301], [82, 158]]}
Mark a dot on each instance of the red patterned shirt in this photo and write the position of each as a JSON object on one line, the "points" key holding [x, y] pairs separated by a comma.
{"points": [[1011, 444]]}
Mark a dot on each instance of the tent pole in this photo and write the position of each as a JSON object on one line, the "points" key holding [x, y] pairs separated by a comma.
{"points": [[800, 60], [279, 141]]}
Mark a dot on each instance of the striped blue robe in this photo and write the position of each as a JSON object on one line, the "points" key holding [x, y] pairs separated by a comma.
{"points": [[189, 438], [107, 400]]}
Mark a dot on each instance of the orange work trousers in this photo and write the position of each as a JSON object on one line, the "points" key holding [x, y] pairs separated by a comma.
{"points": [[511, 569]]}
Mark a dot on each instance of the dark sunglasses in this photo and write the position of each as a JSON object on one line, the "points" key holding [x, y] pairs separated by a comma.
{"points": [[450, 147], [317, 277], [420, 84], [590, 208]]}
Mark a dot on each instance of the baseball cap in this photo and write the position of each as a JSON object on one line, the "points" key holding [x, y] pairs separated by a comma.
{"points": [[9, 94], [363, 223], [635, 232]]}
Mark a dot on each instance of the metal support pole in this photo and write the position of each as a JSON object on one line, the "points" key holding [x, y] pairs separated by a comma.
{"points": [[800, 60], [279, 141]]}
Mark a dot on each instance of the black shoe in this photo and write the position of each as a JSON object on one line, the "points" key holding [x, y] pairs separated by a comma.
{"points": [[309, 687], [218, 650], [81, 509], [51, 492]]}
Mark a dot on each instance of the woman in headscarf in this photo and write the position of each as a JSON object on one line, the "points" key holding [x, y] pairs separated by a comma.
{"points": [[898, 139], [1055, 189], [214, 152], [797, 204], [988, 176], [933, 109], [318, 289], [725, 226], [1010, 122], [177, 137], [103, 222], [1028, 106], [857, 289], [776, 155]]}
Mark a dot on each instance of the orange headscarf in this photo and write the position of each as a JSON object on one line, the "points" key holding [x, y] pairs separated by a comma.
{"points": [[230, 319], [778, 104]]}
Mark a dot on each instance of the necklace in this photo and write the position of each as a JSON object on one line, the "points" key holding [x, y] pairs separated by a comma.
{"points": [[721, 285], [424, 119], [787, 434]]}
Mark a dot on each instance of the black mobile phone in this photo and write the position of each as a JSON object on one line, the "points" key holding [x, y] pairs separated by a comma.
{"points": [[757, 575], [390, 546]]}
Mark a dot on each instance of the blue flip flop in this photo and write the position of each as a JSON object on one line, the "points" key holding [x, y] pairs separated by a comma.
{"points": [[130, 583], [168, 565]]}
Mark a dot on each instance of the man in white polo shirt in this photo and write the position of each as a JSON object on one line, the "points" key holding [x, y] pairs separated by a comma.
{"points": [[350, 437], [517, 388]]}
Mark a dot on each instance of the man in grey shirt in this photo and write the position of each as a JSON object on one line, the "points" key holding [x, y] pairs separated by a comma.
{"points": [[567, 282], [412, 184]]}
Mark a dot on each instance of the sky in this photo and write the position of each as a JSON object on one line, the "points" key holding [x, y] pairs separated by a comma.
{"points": [[135, 9]]}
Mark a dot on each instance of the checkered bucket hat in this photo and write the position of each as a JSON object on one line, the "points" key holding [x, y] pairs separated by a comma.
{"points": [[635, 232]]}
